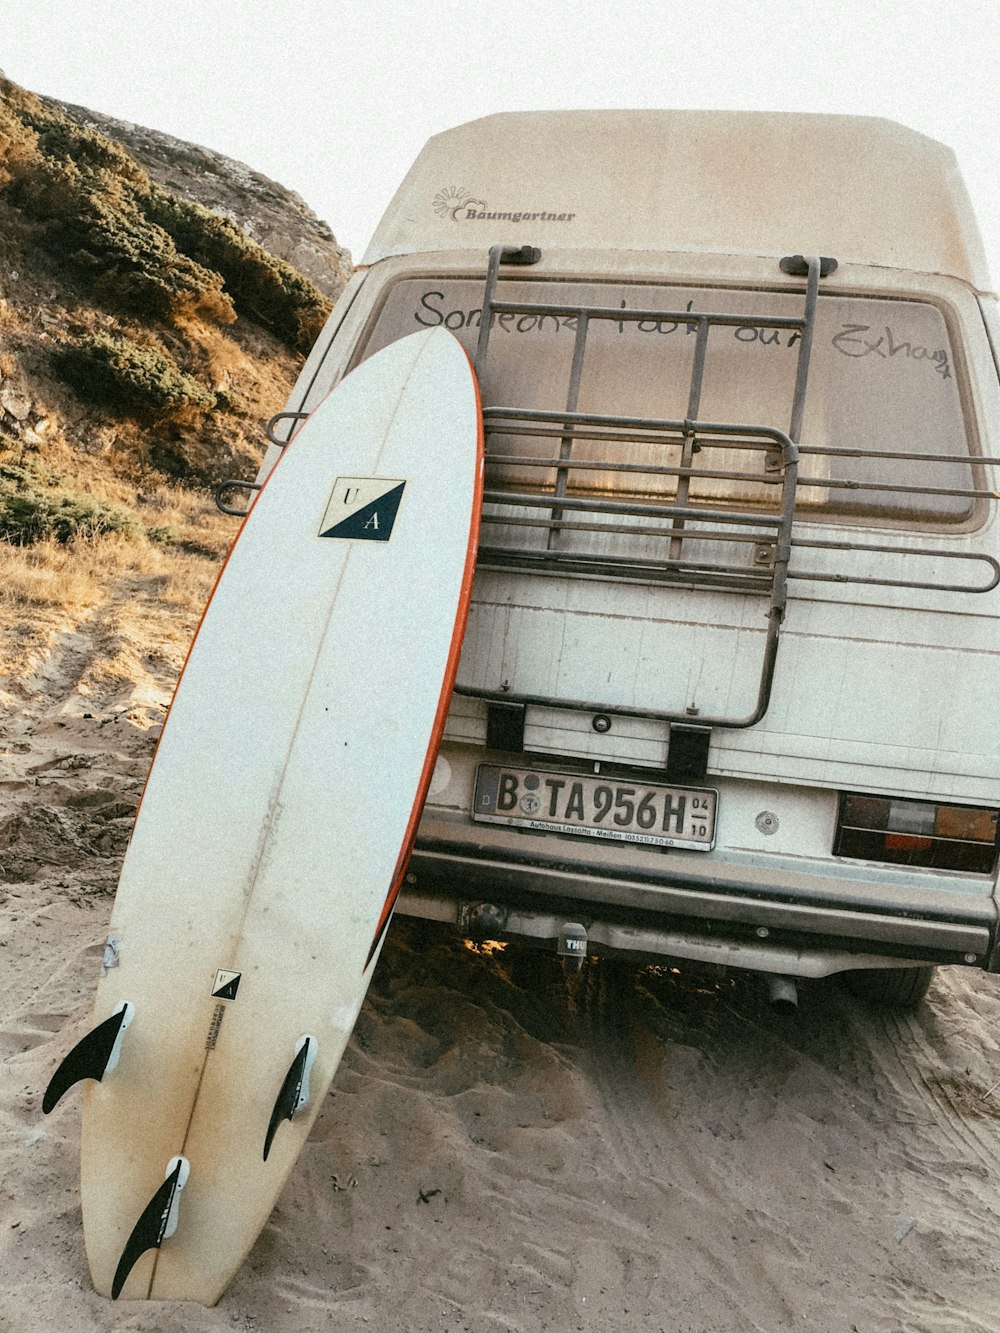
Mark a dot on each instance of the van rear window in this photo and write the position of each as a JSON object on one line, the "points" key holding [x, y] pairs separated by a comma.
{"points": [[881, 381]]}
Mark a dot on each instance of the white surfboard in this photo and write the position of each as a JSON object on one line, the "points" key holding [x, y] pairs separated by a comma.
{"points": [[276, 823]]}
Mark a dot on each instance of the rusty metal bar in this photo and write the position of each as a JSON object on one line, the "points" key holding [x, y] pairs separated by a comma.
{"points": [[272, 425], [805, 350], [572, 400]]}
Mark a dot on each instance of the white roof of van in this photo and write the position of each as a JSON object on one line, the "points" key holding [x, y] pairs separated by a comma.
{"points": [[862, 190]]}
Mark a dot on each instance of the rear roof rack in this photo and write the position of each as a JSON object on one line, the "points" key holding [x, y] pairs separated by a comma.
{"points": [[675, 538], [690, 533]]}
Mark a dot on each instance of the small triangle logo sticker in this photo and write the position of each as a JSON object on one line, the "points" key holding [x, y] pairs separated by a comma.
{"points": [[226, 985], [362, 509]]}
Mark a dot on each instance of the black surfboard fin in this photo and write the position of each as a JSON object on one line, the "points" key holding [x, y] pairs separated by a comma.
{"points": [[157, 1223], [93, 1056], [294, 1092]]}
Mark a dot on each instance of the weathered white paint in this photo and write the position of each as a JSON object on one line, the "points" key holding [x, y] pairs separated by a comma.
{"points": [[732, 182], [888, 690]]}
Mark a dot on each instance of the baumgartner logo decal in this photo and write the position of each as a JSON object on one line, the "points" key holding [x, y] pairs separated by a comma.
{"points": [[459, 205]]}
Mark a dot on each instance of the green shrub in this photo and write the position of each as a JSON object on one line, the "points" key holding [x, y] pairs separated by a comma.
{"points": [[147, 250], [129, 378], [95, 227], [85, 192], [34, 505], [261, 286], [140, 266], [59, 136]]}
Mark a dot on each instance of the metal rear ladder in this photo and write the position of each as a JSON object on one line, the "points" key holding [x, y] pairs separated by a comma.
{"points": [[679, 523], [677, 527]]}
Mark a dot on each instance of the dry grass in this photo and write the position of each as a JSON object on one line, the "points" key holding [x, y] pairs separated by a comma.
{"points": [[79, 574], [45, 575], [133, 595]]}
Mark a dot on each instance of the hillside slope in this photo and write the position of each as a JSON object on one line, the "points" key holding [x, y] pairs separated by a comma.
{"points": [[270, 214], [146, 336]]}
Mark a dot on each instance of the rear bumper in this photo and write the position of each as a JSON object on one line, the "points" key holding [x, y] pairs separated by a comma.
{"points": [[801, 921]]}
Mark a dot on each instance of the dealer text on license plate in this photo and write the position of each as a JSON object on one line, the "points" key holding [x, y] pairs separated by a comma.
{"points": [[596, 807]]}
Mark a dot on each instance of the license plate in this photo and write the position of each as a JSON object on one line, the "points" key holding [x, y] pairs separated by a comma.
{"points": [[596, 807]]}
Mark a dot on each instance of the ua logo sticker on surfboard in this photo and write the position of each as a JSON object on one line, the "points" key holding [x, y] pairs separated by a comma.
{"points": [[226, 985], [362, 509]]}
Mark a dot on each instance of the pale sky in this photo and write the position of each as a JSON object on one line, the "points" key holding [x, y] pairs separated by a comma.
{"points": [[335, 99]]}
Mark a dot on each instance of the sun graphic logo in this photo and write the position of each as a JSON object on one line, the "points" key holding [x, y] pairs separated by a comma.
{"points": [[453, 201]]}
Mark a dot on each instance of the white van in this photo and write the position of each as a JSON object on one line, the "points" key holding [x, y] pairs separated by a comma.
{"points": [[729, 688]]}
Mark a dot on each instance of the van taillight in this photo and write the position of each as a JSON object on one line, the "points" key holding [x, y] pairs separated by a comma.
{"points": [[917, 833]]}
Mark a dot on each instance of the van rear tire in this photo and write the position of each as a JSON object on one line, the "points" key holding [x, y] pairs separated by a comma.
{"points": [[890, 987]]}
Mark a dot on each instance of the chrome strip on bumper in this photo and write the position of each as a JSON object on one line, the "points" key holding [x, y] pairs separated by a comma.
{"points": [[845, 908]]}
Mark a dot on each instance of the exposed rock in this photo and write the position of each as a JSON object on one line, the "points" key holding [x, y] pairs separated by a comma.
{"points": [[275, 217], [15, 403]]}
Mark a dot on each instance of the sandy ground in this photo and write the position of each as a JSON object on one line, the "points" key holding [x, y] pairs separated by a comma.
{"points": [[502, 1149]]}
